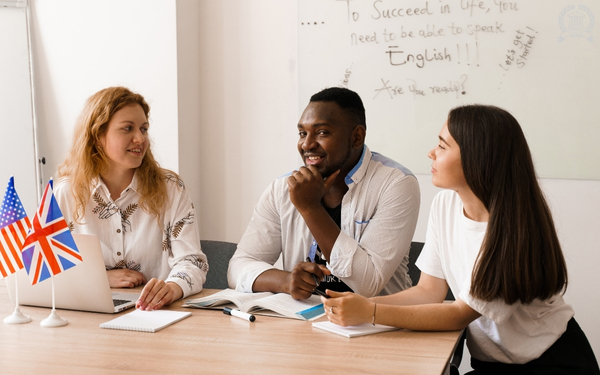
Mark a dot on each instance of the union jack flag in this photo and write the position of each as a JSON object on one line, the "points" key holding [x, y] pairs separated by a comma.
{"points": [[49, 247], [13, 227]]}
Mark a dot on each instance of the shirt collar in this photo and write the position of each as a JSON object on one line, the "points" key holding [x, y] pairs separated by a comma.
{"points": [[359, 170], [98, 183]]}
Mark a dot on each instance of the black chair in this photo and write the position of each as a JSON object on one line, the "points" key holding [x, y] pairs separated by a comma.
{"points": [[218, 254], [415, 275], [413, 255], [414, 272]]}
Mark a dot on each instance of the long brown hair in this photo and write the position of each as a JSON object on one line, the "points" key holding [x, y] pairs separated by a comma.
{"points": [[520, 258], [87, 161]]}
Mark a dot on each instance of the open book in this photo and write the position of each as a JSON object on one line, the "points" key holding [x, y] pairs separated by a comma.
{"points": [[279, 305]]}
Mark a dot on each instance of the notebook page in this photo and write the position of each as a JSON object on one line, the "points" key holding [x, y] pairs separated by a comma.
{"points": [[146, 321]]}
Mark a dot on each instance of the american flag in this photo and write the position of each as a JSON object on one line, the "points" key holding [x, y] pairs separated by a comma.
{"points": [[49, 247], [14, 224]]}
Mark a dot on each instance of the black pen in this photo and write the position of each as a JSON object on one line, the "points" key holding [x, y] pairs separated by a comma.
{"points": [[321, 293], [313, 275], [317, 291]]}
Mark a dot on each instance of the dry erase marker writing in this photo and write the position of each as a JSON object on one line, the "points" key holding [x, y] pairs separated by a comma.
{"points": [[239, 314]]}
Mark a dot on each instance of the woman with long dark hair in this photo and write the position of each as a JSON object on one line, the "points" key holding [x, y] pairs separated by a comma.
{"points": [[492, 241]]}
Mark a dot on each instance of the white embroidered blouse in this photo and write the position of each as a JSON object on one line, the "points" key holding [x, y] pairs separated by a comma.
{"points": [[131, 238]]}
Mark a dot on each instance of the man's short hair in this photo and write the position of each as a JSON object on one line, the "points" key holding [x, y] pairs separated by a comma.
{"points": [[347, 100]]}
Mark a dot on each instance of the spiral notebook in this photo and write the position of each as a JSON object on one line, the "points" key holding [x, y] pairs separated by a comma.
{"points": [[146, 321]]}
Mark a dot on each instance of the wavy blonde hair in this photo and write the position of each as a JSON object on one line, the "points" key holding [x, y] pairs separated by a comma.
{"points": [[87, 161]]}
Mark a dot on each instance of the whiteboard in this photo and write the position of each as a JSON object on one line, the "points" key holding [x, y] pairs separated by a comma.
{"points": [[411, 61], [17, 156]]}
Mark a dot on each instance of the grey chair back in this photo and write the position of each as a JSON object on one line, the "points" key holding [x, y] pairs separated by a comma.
{"points": [[218, 254]]}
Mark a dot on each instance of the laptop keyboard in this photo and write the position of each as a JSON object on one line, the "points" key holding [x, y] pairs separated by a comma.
{"points": [[118, 302]]}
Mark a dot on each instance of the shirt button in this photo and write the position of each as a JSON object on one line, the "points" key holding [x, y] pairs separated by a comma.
{"points": [[118, 231], [119, 253]]}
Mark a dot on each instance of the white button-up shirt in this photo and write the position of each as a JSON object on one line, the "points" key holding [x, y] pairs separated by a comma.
{"points": [[131, 238], [378, 220]]}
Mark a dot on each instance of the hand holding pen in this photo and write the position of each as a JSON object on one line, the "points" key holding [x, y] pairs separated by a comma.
{"points": [[304, 278], [317, 291]]}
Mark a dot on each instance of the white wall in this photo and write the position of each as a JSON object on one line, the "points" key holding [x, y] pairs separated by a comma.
{"points": [[576, 208], [238, 131], [80, 47]]}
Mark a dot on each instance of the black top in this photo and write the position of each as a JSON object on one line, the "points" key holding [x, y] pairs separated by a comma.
{"points": [[332, 282]]}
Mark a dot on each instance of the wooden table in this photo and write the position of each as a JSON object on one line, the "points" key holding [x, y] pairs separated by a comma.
{"points": [[210, 342]]}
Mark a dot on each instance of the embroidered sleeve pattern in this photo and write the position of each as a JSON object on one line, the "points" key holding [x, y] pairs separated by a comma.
{"points": [[188, 219], [184, 276], [176, 180], [131, 265], [196, 261], [173, 231]]}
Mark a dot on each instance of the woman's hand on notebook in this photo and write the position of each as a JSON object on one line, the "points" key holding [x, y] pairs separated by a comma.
{"points": [[157, 294], [125, 278], [348, 309]]}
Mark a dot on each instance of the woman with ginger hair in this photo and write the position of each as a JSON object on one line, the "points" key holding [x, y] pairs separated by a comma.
{"points": [[111, 186]]}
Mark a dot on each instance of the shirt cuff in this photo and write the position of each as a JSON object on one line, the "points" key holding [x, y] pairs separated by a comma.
{"points": [[247, 277]]}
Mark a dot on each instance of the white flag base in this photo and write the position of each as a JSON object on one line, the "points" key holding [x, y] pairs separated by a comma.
{"points": [[54, 320], [17, 317]]}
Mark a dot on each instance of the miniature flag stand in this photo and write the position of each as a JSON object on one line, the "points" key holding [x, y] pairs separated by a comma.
{"points": [[14, 224], [17, 317], [49, 249], [53, 320]]}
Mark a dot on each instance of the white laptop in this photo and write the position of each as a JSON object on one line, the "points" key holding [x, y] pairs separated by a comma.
{"points": [[83, 287]]}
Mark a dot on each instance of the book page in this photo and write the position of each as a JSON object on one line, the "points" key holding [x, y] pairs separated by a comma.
{"points": [[225, 298], [307, 309]]}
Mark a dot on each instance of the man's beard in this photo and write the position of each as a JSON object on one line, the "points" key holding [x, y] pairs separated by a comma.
{"points": [[331, 169]]}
